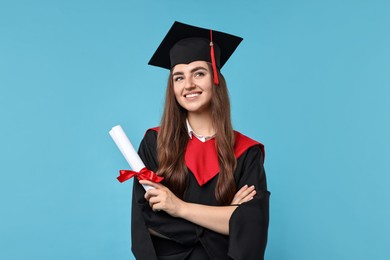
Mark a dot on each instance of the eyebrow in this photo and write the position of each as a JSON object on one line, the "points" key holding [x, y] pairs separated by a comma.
{"points": [[192, 71]]}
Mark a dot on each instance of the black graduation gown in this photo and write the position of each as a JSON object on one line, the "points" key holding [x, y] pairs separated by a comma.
{"points": [[248, 225]]}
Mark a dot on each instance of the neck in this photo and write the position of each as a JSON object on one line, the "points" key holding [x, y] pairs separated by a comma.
{"points": [[201, 123]]}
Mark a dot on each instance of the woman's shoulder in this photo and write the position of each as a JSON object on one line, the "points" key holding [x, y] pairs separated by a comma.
{"points": [[151, 134], [152, 131], [244, 143]]}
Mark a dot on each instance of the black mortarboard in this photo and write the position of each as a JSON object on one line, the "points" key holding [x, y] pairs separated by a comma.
{"points": [[185, 43]]}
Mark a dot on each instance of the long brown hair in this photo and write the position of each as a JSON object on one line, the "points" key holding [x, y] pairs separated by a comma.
{"points": [[173, 138]]}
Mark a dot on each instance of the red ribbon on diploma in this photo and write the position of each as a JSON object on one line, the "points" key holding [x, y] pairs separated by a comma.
{"points": [[143, 174]]}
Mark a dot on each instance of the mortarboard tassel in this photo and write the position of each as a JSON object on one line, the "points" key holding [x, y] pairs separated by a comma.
{"points": [[212, 54]]}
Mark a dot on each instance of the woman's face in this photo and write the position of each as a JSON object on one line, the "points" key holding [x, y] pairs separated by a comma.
{"points": [[192, 84]]}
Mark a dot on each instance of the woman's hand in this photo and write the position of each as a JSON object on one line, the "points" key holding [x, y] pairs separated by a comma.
{"points": [[243, 195], [161, 198]]}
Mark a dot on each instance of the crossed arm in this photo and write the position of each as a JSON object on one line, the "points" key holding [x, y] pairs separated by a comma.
{"points": [[215, 218]]}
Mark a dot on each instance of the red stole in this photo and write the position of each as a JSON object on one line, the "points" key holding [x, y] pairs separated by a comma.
{"points": [[202, 157]]}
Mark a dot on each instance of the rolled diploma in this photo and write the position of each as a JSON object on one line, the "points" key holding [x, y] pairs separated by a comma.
{"points": [[128, 151]]}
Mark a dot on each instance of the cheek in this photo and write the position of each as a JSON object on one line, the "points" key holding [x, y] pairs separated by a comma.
{"points": [[177, 91], [209, 90], [208, 84], [210, 96]]}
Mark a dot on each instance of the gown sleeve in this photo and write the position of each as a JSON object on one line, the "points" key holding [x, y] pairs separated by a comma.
{"points": [[142, 245], [176, 229], [248, 225]]}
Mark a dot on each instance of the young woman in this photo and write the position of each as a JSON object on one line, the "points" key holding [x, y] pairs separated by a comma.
{"points": [[213, 201]]}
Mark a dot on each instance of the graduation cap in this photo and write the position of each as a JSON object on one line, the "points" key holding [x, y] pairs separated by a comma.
{"points": [[185, 43]]}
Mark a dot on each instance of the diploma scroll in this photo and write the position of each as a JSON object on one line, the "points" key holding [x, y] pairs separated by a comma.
{"points": [[128, 151]]}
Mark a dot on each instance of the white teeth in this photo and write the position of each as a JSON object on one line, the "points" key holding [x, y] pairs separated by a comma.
{"points": [[192, 95]]}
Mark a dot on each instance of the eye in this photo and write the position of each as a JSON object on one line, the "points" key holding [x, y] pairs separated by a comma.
{"points": [[199, 74], [179, 78]]}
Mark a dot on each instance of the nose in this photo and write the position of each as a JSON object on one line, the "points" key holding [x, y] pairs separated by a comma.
{"points": [[189, 83]]}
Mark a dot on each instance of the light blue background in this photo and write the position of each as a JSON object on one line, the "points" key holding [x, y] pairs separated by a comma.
{"points": [[311, 81]]}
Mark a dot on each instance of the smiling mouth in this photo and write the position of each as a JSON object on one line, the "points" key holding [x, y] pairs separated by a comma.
{"points": [[192, 95]]}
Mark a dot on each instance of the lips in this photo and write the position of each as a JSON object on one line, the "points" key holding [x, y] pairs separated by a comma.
{"points": [[192, 94]]}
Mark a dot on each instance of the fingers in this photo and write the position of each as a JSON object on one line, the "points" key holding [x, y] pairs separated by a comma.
{"points": [[242, 190], [244, 194], [150, 183], [249, 196], [154, 203], [151, 193], [155, 198], [161, 198], [158, 198]]}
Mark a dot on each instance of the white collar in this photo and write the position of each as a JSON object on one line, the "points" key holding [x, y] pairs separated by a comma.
{"points": [[191, 132]]}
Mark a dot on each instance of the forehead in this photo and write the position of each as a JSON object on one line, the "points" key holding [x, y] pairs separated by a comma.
{"points": [[190, 66]]}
